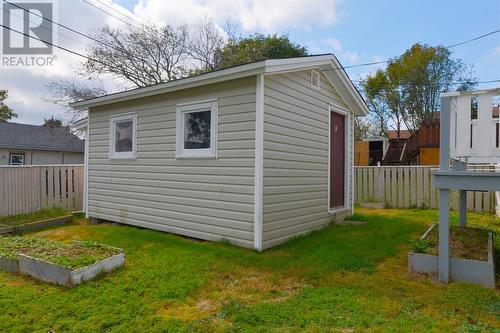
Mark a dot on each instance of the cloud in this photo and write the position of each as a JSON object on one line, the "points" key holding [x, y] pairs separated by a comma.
{"points": [[26, 86], [261, 15], [334, 44]]}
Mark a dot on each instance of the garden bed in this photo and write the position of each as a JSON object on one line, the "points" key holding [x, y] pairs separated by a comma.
{"points": [[22, 223], [471, 255], [65, 263]]}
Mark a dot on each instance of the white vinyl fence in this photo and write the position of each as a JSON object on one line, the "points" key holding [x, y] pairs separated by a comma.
{"points": [[25, 189], [412, 186]]}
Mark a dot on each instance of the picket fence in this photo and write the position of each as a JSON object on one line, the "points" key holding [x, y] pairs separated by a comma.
{"points": [[25, 189], [412, 186]]}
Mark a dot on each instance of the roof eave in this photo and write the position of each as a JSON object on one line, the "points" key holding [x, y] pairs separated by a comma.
{"points": [[328, 63]]}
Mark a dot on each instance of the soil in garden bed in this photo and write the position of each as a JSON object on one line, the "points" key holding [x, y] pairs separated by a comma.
{"points": [[73, 255], [466, 243]]}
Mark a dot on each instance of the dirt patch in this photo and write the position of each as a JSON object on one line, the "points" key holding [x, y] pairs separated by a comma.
{"points": [[244, 286], [68, 233], [466, 243]]}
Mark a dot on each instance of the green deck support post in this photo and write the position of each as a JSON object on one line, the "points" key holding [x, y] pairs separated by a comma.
{"points": [[463, 208], [444, 235]]}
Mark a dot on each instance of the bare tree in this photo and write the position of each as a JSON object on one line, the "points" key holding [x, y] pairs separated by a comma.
{"points": [[142, 57], [65, 92], [204, 42]]}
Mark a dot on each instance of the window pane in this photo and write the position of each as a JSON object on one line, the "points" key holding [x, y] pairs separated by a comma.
{"points": [[473, 108], [16, 159], [495, 103], [197, 130], [123, 136]]}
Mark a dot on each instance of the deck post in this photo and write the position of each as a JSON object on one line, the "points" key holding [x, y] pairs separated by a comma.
{"points": [[444, 193], [444, 235]]}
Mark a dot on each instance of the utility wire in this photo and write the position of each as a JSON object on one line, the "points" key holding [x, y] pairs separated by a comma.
{"points": [[106, 12], [52, 44], [123, 14], [448, 47], [69, 29]]}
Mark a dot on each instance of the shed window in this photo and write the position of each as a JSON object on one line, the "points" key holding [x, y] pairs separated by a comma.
{"points": [[123, 137], [315, 79], [16, 159], [197, 130], [473, 108]]}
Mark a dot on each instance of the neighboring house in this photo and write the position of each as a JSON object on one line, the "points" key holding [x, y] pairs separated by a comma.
{"points": [[254, 154], [395, 151], [22, 144], [422, 147], [371, 151]]}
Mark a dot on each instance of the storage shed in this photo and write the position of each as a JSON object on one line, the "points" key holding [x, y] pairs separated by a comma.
{"points": [[254, 154]]}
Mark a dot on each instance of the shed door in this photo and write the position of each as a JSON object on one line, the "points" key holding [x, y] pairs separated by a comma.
{"points": [[337, 160]]}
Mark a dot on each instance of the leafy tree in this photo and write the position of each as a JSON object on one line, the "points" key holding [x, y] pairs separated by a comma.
{"points": [[53, 122], [407, 91], [6, 113], [362, 128], [258, 47], [150, 55]]}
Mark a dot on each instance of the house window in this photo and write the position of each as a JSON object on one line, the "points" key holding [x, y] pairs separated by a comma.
{"points": [[197, 130], [315, 79], [495, 105], [16, 159], [473, 108], [123, 137]]}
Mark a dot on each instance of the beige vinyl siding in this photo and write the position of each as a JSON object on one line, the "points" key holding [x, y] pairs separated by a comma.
{"points": [[203, 198], [296, 126]]}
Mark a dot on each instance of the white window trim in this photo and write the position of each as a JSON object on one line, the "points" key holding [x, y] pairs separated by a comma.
{"points": [[112, 137], [211, 152], [315, 72], [10, 158], [347, 170]]}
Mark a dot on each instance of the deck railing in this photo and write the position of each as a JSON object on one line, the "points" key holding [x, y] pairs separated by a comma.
{"points": [[25, 189]]}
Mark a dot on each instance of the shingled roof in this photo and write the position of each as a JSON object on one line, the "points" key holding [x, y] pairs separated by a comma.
{"points": [[21, 136]]}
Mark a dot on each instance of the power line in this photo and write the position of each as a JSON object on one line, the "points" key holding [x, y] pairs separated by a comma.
{"points": [[51, 21], [448, 47], [119, 12], [104, 11], [52, 44], [473, 39], [69, 29]]}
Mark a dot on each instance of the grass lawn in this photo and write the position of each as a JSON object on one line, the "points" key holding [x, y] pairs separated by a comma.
{"points": [[47, 213], [342, 278]]}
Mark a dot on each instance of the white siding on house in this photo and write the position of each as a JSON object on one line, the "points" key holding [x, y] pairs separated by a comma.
{"points": [[296, 127], [203, 198]]}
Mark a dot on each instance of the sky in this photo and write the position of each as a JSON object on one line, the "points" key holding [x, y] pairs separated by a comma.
{"points": [[356, 31]]}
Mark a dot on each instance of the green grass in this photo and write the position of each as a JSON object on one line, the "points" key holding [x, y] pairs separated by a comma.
{"points": [[349, 278], [15, 220]]}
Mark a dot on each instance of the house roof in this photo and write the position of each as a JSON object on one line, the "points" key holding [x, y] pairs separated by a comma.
{"points": [[403, 134], [21, 136], [328, 63]]}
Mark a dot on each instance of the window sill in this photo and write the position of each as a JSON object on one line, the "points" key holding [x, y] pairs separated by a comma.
{"points": [[121, 158], [197, 156]]}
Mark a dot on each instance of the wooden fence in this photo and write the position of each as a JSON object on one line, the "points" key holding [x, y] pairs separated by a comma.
{"points": [[412, 186], [25, 189]]}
